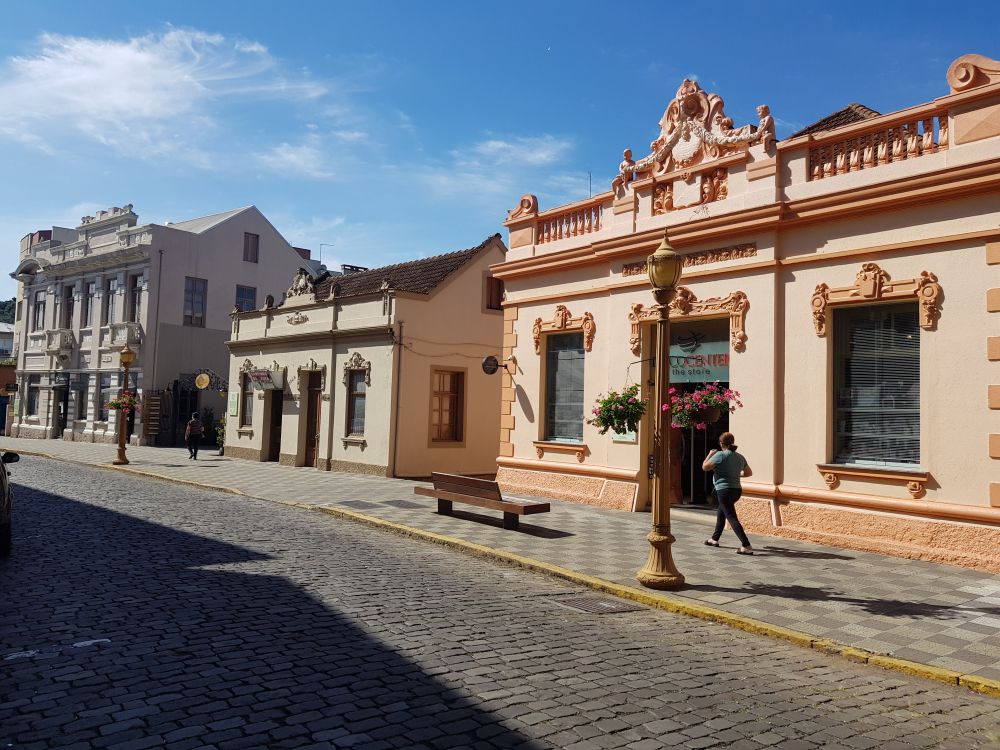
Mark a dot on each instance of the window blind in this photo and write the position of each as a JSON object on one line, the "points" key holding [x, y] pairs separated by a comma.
{"points": [[877, 384], [564, 387]]}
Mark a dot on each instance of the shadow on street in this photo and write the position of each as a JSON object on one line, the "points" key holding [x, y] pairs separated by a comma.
{"points": [[111, 625]]}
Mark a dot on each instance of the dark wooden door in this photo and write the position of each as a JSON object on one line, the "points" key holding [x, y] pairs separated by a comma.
{"points": [[313, 400], [274, 424]]}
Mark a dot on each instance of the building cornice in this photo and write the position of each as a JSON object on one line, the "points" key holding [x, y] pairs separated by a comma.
{"points": [[236, 345]]}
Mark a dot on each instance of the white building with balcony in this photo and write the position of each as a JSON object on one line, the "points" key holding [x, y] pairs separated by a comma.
{"points": [[165, 290]]}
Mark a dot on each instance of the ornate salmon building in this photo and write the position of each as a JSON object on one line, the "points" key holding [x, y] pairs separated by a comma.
{"points": [[844, 280]]}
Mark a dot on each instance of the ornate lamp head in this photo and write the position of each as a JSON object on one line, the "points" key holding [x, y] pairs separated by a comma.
{"points": [[664, 267], [127, 356]]}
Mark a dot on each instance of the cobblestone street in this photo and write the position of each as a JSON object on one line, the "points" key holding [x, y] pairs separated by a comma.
{"points": [[135, 613]]}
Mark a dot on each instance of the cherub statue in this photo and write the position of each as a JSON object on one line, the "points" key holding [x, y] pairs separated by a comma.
{"points": [[765, 130], [626, 172]]}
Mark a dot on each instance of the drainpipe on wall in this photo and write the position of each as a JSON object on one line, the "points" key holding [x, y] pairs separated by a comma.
{"points": [[395, 418]]}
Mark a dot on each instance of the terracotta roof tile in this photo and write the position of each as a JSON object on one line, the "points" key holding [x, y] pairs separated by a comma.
{"points": [[418, 276], [849, 115]]}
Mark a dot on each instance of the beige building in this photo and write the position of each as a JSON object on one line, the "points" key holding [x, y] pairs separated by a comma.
{"points": [[376, 371], [165, 290], [844, 280]]}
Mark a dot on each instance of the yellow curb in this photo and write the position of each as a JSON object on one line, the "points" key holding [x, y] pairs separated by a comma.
{"points": [[980, 684], [939, 674], [983, 685]]}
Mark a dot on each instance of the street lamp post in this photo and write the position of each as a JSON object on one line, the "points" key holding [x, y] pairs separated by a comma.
{"points": [[664, 268], [127, 358]]}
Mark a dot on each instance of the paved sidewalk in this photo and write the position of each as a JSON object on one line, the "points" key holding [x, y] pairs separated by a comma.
{"points": [[932, 614]]}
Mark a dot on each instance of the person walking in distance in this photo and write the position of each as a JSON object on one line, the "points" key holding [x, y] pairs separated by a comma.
{"points": [[192, 435], [728, 467]]}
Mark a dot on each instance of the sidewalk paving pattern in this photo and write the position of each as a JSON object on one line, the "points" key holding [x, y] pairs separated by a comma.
{"points": [[932, 614]]}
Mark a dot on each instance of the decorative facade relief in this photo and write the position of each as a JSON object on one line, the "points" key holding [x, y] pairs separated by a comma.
{"points": [[563, 321], [686, 304], [301, 284], [873, 284], [718, 255], [694, 129], [971, 71], [247, 366], [357, 362], [296, 318], [313, 366], [526, 208]]}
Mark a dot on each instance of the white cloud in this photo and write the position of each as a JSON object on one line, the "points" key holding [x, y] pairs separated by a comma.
{"points": [[350, 136], [148, 95], [307, 159], [524, 150]]}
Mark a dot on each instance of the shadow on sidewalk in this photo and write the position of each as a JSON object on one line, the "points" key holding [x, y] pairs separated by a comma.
{"points": [[884, 607], [107, 619], [529, 529], [807, 554]]}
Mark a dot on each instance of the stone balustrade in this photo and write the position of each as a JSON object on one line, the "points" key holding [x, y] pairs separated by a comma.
{"points": [[571, 221], [884, 140], [125, 333]]}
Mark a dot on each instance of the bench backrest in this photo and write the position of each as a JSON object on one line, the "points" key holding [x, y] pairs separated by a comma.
{"points": [[484, 488]]}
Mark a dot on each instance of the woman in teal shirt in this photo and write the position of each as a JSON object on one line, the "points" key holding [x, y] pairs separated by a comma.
{"points": [[728, 467]]}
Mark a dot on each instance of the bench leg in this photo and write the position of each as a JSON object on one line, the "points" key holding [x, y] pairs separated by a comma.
{"points": [[444, 507], [510, 521]]}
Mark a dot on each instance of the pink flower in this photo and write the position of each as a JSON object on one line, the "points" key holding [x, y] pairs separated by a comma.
{"points": [[700, 426]]}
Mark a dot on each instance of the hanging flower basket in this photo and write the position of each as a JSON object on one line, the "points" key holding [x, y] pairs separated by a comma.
{"points": [[619, 412], [702, 406], [125, 402]]}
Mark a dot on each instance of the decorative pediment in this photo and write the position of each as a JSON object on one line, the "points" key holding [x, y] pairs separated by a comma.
{"points": [[686, 304], [694, 129], [563, 322], [247, 366], [357, 362], [873, 284]]}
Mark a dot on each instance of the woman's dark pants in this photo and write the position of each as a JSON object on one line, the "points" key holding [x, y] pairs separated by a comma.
{"points": [[727, 512]]}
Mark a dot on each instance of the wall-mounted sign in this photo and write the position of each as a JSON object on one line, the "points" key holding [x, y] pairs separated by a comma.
{"points": [[699, 351], [267, 380], [490, 365], [234, 404], [202, 380]]}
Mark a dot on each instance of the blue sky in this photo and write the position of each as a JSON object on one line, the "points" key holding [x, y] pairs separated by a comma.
{"points": [[389, 131]]}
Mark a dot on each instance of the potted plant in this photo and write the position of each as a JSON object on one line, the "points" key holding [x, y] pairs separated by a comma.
{"points": [[702, 406], [124, 402], [220, 435], [619, 412]]}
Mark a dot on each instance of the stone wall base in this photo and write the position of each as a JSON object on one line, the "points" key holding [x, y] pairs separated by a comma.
{"points": [[604, 493], [352, 467], [247, 454], [967, 545]]}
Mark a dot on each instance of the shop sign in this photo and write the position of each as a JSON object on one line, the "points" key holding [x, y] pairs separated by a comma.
{"points": [[234, 404], [267, 380], [699, 353]]}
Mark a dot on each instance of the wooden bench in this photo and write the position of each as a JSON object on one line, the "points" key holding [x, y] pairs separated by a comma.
{"points": [[485, 493]]}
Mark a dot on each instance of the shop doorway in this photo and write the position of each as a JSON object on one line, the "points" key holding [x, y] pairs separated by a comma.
{"points": [[699, 353], [314, 396], [274, 425]]}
